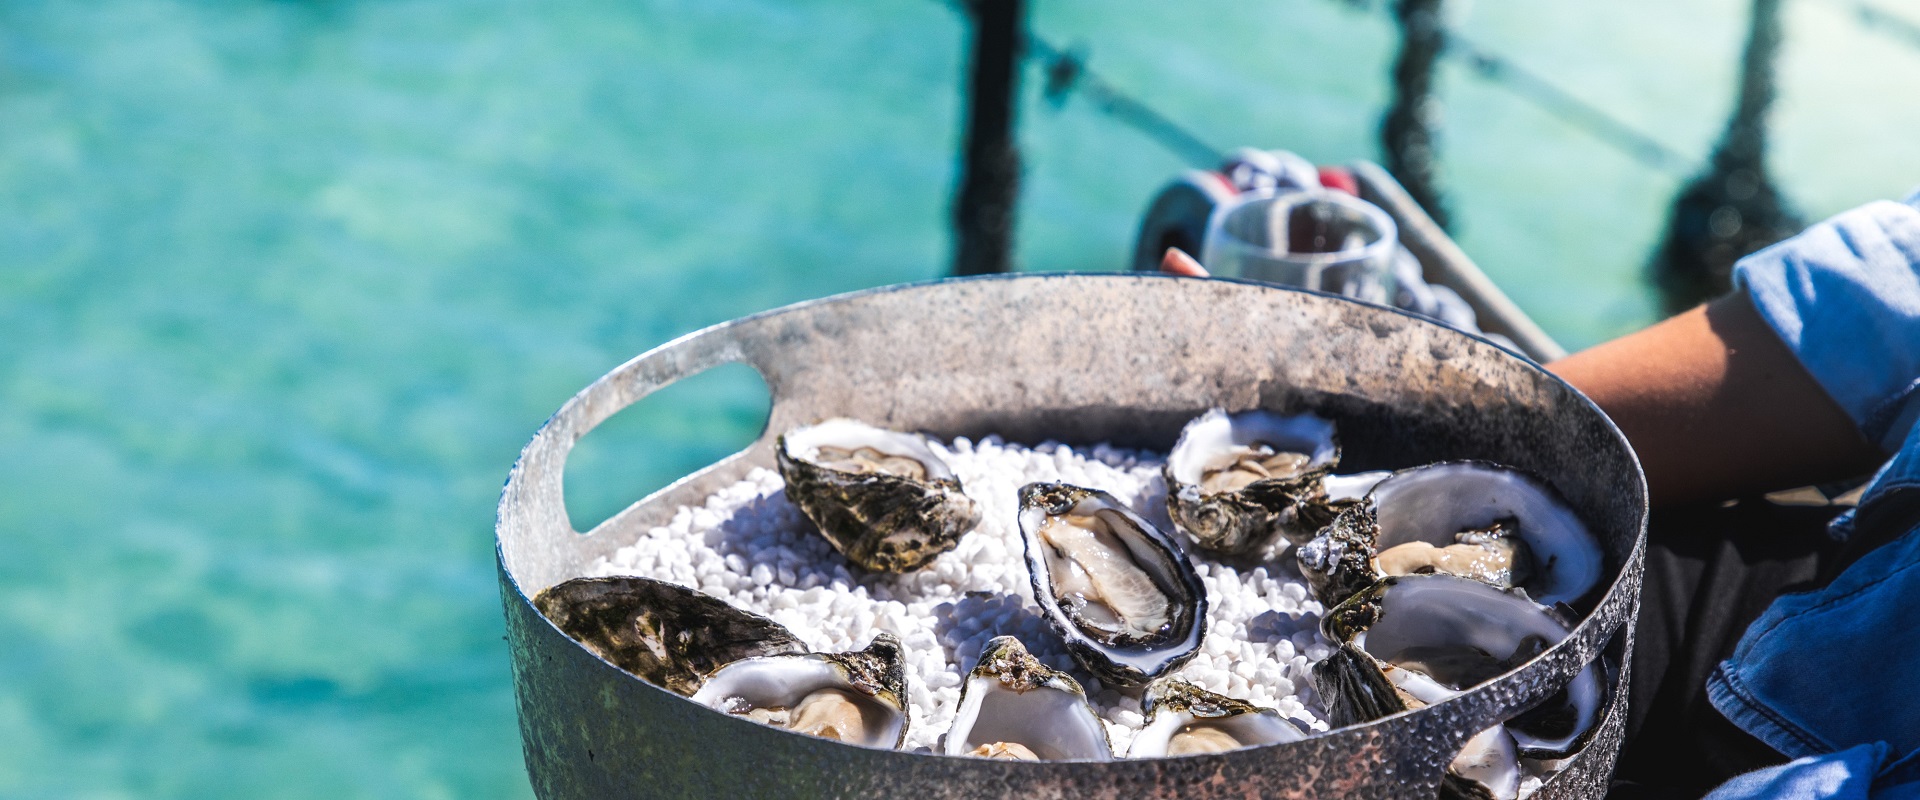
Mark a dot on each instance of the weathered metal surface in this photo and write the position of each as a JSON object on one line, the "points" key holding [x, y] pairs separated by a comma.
{"points": [[1076, 358]]}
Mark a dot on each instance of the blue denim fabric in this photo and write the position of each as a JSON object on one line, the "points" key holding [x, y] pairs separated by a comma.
{"points": [[1838, 667], [1856, 773], [1832, 676], [1899, 780], [1846, 775], [1845, 297]]}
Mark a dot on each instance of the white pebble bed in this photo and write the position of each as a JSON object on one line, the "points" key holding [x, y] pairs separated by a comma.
{"points": [[749, 546]]}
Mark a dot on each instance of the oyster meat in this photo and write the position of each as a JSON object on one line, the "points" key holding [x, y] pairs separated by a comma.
{"points": [[1473, 519], [857, 698], [882, 498], [662, 633], [1412, 641], [1119, 591], [1234, 481], [1013, 706], [1495, 554], [1184, 719]]}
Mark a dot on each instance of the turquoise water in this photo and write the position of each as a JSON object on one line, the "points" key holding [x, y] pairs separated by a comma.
{"points": [[284, 286]]}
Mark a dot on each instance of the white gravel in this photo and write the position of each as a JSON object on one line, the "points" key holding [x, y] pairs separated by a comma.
{"points": [[750, 547]]}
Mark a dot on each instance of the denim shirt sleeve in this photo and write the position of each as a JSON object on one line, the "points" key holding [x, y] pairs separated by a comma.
{"points": [[1845, 775], [1863, 772], [1844, 296]]}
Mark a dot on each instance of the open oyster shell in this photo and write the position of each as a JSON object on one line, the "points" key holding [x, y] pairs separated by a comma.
{"points": [[1013, 706], [1412, 641], [1486, 768], [662, 633], [1470, 518], [1119, 591], [1183, 719], [882, 498], [1234, 481], [857, 698]]}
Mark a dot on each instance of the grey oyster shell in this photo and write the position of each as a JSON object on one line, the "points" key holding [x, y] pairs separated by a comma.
{"points": [[1234, 481], [1013, 706], [1338, 563], [662, 633], [1412, 641], [1183, 718], [894, 513], [857, 698], [1471, 518], [1122, 595]]}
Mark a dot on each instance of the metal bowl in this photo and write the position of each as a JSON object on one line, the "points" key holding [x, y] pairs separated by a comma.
{"points": [[1127, 359]]}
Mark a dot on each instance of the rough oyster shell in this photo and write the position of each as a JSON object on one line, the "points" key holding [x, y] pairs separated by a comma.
{"points": [[662, 633], [1416, 640], [1470, 518], [1183, 719], [857, 698], [1119, 591], [1013, 706], [882, 498], [1234, 481]]}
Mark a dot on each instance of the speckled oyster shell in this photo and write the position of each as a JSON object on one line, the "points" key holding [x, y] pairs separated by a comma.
{"points": [[1136, 653], [875, 679], [881, 521], [1011, 698], [1244, 521], [1387, 635], [1432, 505], [1177, 709], [662, 633]]}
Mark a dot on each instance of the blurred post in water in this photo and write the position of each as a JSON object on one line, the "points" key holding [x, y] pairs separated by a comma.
{"points": [[1407, 132], [983, 207], [1733, 209]]}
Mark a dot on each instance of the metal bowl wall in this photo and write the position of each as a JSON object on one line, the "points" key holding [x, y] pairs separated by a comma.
{"points": [[1076, 358]]}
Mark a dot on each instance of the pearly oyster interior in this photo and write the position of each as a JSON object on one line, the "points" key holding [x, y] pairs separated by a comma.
{"points": [[857, 698], [1486, 768], [1184, 719], [662, 633], [882, 498], [1234, 481], [1013, 706], [1119, 591], [1476, 505], [1473, 519], [1413, 641]]}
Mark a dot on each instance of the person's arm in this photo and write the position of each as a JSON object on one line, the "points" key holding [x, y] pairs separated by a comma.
{"points": [[1716, 405], [1809, 371]]}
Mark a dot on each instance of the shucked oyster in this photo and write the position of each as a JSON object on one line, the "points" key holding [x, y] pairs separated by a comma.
{"points": [[1236, 480], [1013, 706], [1118, 590], [882, 498], [1466, 518], [667, 635], [1183, 719], [858, 698], [1413, 641]]}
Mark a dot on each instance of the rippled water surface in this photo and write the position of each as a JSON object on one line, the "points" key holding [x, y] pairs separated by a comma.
{"points": [[285, 285]]}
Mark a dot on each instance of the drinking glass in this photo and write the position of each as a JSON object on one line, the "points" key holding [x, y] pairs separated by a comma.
{"points": [[1312, 238]]}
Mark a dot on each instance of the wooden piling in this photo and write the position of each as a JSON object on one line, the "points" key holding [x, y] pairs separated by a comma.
{"points": [[985, 202], [1733, 208], [1407, 132]]}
